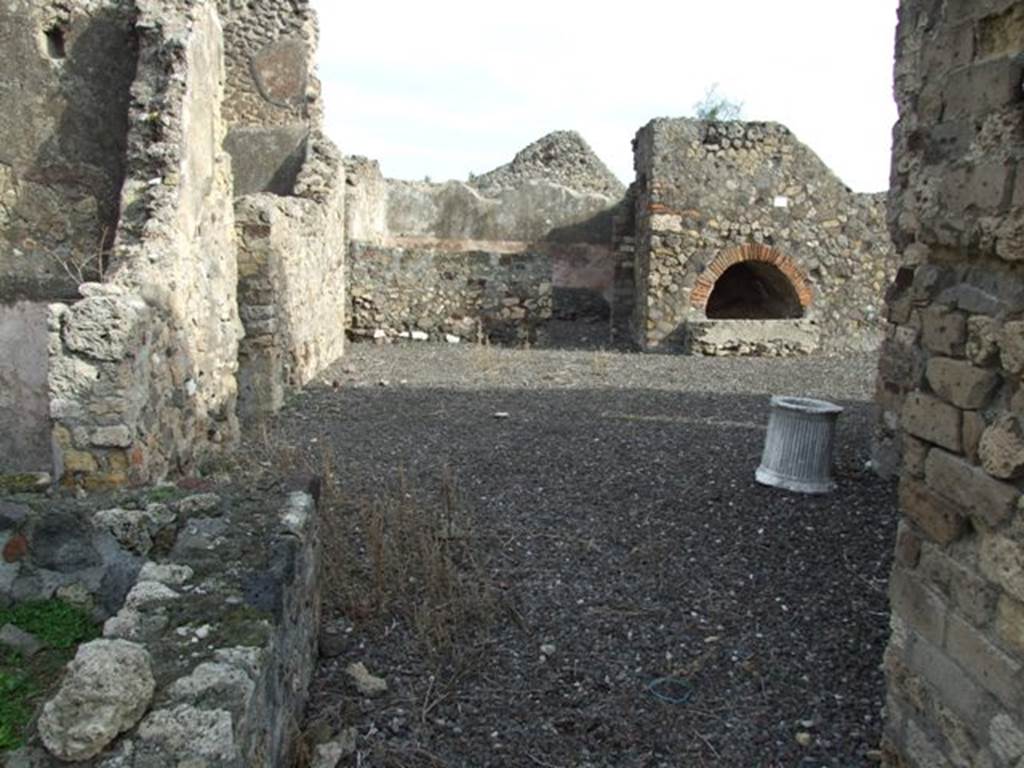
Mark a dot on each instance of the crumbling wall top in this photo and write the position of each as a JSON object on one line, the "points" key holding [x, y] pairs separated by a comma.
{"points": [[562, 157]]}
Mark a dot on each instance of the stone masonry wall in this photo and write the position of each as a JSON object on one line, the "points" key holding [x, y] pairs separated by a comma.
{"points": [[62, 139], [211, 611], [142, 372], [496, 257], [706, 190], [269, 50], [431, 291], [950, 388], [292, 281]]}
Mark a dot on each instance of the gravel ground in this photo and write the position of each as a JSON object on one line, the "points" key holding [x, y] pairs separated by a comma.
{"points": [[654, 606]]}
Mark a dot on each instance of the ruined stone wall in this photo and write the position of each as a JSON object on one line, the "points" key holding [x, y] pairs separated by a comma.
{"points": [[499, 256], [950, 388], [292, 281], [432, 292], [269, 48], [142, 371], [211, 610], [272, 95], [62, 139], [707, 192]]}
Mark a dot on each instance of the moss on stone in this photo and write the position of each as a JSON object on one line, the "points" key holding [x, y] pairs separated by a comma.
{"points": [[244, 626], [24, 482]]}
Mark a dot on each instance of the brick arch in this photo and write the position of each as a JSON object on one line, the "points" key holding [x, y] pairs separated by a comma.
{"points": [[752, 252]]}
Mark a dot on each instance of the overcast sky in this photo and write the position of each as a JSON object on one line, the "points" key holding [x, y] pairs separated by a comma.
{"points": [[444, 88]]}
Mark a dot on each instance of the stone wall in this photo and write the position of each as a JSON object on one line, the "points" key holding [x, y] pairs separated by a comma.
{"points": [[710, 195], [62, 143], [142, 372], [270, 49], [211, 612], [950, 388], [292, 280], [496, 257], [62, 139], [428, 291]]}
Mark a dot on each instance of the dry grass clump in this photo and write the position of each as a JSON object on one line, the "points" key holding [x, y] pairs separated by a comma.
{"points": [[405, 555]]}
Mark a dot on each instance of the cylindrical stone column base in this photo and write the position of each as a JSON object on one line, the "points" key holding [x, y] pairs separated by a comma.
{"points": [[798, 448]]}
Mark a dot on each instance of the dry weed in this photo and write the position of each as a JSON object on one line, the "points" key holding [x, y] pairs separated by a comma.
{"points": [[403, 555]]}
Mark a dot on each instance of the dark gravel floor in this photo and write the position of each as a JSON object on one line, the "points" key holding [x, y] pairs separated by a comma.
{"points": [[618, 518]]}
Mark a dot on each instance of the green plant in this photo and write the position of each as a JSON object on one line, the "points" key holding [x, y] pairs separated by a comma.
{"points": [[56, 623], [715, 106], [25, 682]]}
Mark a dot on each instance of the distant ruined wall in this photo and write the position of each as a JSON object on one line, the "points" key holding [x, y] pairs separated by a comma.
{"points": [[269, 49], [272, 95], [142, 370], [950, 388], [708, 189], [499, 256], [292, 281]]}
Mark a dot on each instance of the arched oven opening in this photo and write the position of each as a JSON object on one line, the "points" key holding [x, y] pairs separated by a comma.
{"points": [[753, 290]]}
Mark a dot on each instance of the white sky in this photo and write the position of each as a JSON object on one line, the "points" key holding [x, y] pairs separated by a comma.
{"points": [[447, 87]]}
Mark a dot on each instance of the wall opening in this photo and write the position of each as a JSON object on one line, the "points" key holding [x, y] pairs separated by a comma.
{"points": [[56, 46], [753, 290]]}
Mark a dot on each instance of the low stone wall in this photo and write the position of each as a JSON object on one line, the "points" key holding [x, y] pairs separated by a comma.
{"points": [[504, 297], [763, 338], [24, 407], [291, 289], [950, 390], [229, 576]]}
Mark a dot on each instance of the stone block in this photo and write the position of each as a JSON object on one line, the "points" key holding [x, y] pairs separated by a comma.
{"points": [[923, 609], [112, 437], [983, 340], [982, 87], [933, 420], [1001, 448], [954, 687], [974, 597], [944, 331], [79, 461], [1001, 34], [1011, 346], [975, 187], [915, 452], [1006, 738], [960, 383], [921, 750], [1010, 623], [989, 666], [941, 520], [970, 487], [104, 327], [908, 546], [973, 428], [1002, 561]]}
